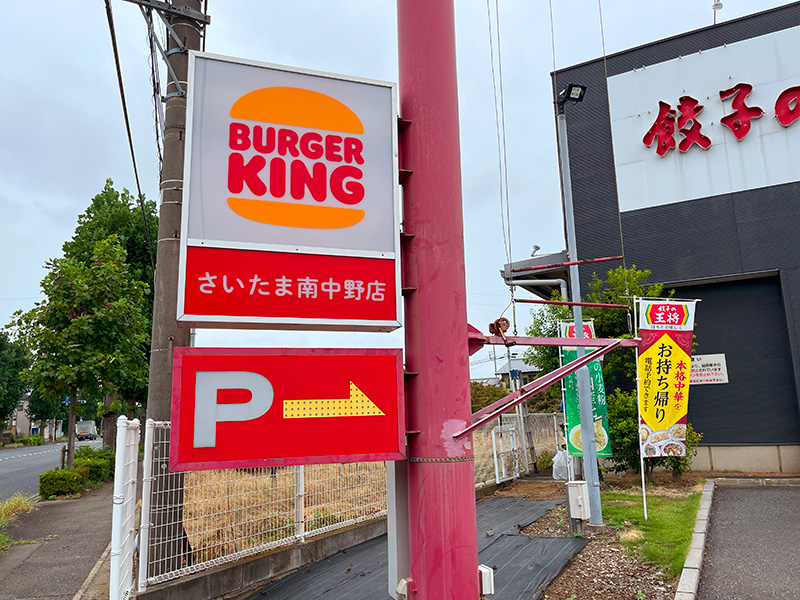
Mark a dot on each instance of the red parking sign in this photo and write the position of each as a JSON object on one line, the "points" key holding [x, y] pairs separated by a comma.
{"points": [[241, 407]]}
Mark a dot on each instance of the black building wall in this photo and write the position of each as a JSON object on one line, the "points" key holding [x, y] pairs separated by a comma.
{"points": [[738, 235]]}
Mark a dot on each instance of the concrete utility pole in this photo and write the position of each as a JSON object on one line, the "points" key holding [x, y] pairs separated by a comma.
{"points": [[443, 551], [166, 333], [168, 545]]}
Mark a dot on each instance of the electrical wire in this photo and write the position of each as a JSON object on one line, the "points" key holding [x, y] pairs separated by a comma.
{"points": [[619, 212], [155, 82], [502, 154], [113, 34]]}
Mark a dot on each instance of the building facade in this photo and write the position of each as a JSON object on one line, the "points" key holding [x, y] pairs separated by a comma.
{"points": [[685, 157]]}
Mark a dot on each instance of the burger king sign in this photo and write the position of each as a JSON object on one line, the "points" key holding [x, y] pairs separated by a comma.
{"points": [[290, 216]]}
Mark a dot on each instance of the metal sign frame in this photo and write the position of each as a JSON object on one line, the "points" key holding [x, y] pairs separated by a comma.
{"points": [[186, 319]]}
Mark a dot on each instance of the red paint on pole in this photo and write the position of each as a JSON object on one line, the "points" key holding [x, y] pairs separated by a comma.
{"points": [[441, 489]]}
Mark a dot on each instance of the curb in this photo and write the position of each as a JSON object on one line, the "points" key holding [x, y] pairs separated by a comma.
{"points": [[690, 576]]}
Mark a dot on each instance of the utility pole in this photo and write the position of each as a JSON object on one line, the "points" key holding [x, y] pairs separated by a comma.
{"points": [[575, 94], [185, 26], [443, 551], [166, 333]]}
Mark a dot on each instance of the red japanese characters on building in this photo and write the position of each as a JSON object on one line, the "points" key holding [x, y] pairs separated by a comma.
{"points": [[739, 120]]}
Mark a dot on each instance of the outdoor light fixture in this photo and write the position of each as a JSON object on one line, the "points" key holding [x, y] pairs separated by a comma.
{"points": [[572, 93]]}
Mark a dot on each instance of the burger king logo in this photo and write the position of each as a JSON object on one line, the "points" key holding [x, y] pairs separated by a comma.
{"points": [[296, 159]]}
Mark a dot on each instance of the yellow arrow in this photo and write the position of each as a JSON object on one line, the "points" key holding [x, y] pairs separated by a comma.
{"points": [[357, 405]]}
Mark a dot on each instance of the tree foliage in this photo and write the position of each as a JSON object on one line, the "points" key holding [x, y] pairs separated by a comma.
{"points": [[117, 213], [14, 359], [483, 395], [89, 333], [619, 287]]}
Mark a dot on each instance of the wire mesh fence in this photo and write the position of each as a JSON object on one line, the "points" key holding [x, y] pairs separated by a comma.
{"points": [[206, 518], [193, 521]]}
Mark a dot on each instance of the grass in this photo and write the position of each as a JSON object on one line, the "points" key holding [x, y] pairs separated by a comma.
{"points": [[662, 539], [9, 509]]}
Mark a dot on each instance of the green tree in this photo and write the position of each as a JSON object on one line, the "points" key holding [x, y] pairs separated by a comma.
{"points": [[545, 324], [483, 395], [117, 213], [14, 359], [89, 333]]}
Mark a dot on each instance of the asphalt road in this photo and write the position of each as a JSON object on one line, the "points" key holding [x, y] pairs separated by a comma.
{"points": [[751, 551], [20, 467]]}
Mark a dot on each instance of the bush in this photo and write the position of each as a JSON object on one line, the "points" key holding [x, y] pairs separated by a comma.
{"points": [[544, 460], [34, 440], [99, 469], [60, 483], [104, 454]]}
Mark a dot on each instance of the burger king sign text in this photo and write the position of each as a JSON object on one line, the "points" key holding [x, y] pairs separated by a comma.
{"points": [[290, 216]]}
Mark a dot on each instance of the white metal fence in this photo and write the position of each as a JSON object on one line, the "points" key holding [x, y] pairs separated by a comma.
{"points": [[197, 520], [201, 519], [123, 528]]}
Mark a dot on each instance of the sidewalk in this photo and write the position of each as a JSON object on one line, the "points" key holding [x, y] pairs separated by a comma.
{"points": [[69, 536]]}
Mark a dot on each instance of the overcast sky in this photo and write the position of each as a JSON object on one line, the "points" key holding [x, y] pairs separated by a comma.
{"points": [[62, 132]]}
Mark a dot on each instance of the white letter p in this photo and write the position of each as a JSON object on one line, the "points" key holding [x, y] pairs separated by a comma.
{"points": [[207, 412]]}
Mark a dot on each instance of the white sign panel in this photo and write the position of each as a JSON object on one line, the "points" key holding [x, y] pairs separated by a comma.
{"points": [[708, 368], [291, 210], [690, 127]]}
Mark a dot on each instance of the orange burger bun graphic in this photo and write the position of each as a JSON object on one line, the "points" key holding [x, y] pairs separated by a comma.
{"points": [[290, 165]]}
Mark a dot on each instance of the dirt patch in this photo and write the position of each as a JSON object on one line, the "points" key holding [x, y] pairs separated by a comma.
{"points": [[604, 568], [534, 490]]}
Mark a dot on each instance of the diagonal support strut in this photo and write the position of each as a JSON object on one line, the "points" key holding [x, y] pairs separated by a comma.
{"points": [[495, 409]]}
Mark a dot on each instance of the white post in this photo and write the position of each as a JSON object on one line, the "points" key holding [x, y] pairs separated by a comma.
{"points": [[638, 413], [300, 502], [117, 517], [147, 484]]}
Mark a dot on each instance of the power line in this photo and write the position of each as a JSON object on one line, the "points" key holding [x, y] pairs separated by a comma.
{"points": [[113, 33]]}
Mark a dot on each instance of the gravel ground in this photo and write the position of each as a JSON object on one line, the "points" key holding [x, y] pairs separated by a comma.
{"points": [[603, 569]]}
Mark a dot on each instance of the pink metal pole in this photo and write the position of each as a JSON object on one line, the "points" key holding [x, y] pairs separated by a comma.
{"points": [[443, 549]]}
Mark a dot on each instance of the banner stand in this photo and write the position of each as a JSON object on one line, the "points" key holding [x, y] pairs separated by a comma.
{"points": [[638, 411]]}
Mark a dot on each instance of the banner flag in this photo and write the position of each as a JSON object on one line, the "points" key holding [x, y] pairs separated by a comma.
{"points": [[570, 396], [664, 367]]}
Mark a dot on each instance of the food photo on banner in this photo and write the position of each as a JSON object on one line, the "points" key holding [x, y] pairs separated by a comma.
{"points": [[664, 367], [570, 406]]}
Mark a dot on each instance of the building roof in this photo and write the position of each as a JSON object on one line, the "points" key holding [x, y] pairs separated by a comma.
{"points": [[518, 364], [515, 271]]}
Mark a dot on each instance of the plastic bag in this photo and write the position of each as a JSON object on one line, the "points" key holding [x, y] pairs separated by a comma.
{"points": [[560, 465]]}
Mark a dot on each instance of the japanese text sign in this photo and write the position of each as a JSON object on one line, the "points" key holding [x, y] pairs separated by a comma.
{"points": [[571, 408], [291, 201], [664, 368], [714, 122], [269, 407]]}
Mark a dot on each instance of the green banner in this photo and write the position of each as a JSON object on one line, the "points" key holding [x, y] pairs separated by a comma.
{"points": [[572, 410]]}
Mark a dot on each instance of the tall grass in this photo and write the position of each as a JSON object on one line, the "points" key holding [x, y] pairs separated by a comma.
{"points": [[9, 510]]}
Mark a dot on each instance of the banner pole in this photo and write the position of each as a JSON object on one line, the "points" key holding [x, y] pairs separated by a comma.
{"points": [[638, 411]]}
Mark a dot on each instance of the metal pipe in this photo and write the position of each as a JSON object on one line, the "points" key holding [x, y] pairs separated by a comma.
{"points": [[566, 264], [559, 282], [565, 303], [584, 389], [443, 541], [496, 340], [495, 409]]}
